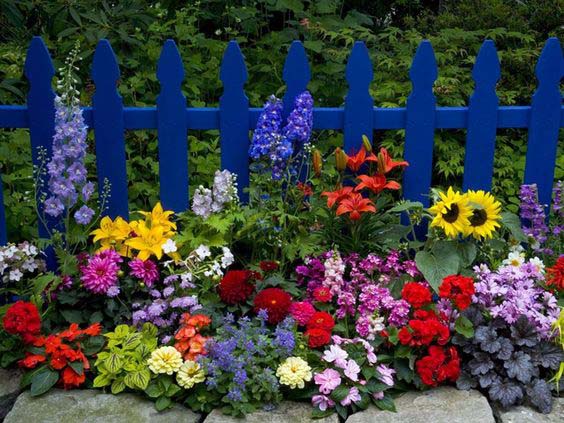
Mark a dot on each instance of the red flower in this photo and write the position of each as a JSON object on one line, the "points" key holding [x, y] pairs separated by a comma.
{"points": [[275, 301], [317, 337], [322, 294], [423, 330], [321, 320], [386, 163], [555, 274], [336, 196], [268, 266], [459, 289], [416, 294], [439, 366], [235, 287], [355, 204], [376, 183], [356, 161], [305, 189], [93, 330], [22, 318], [71, 379], [31, 360]]}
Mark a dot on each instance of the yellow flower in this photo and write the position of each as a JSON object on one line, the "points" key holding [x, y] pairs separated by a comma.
{"points": [[485, 214], [294, 372], [111, 234], [159, 217], [451, 213], [165, 360], [189, 374], [148, 241]]}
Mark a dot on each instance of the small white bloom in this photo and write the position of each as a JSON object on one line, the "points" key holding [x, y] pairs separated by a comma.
{"points": [[203, 251], [537, 262], [227, 259], [16, 275], [514, 259], [186, 277], [169, 246]]}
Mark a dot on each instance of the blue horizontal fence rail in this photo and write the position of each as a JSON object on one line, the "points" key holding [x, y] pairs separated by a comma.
{"points": [[173, 119]]}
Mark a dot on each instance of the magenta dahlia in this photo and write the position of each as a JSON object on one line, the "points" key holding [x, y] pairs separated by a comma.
{"points": [[100, 273], [146, 270]]}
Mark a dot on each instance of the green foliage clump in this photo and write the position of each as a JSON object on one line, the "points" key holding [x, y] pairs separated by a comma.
{"points": [[123, 362]]}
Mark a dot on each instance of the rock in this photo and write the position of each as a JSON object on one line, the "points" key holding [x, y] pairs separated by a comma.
{"points": [[524, 414], [92, 406], [286, 412], [9, 389], [441, 405]]}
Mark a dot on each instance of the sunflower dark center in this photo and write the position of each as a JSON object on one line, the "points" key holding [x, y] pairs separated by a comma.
{"points": [[452, 213], [479, 217]]}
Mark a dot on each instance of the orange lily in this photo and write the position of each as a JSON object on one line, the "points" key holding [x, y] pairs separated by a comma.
{"points": [[355, 204], [355, 162], [386, 163], [376, 183], [336, 196]]}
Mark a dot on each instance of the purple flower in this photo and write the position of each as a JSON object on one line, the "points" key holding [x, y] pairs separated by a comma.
{"points": [[352, 397], [386, 374], [84, 215], [323, 402], [533, 216], [268, 128]]}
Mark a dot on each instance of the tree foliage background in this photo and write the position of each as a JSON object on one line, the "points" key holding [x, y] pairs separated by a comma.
{"points": [[391, 29]]}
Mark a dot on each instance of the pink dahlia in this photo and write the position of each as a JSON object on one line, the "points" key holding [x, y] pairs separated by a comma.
{"points": [[302, 312], [145, 270], [100, 273]]}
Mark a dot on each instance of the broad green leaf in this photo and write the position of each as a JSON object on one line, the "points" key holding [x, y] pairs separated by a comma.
{"points": [[118, 386], [103, 379], [437, 265], [464, 327], [114, 363], [42, 381], [511, 221]]}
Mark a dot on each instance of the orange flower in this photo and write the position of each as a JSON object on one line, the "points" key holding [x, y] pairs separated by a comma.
{"points": [[386, 163], [71, 379], [199, 321], [356, 161], [336, 196], [355, 205], [32, 360], [187, 331], [305, 189], [93, 330], [376, 183]]}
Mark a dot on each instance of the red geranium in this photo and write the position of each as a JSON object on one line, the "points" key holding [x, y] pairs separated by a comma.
{"points": [[416, 294], [236, 286], [440, 365], [268, 266], [322, 294], [275, 301], [317, 337], [424, 329], [321, 320], [71, 379], [459, 289], [555, 274], [22, 318]]}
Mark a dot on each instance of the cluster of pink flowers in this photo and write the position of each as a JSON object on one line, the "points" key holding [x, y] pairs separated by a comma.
{"points": [[99, 274], [146, 271]]}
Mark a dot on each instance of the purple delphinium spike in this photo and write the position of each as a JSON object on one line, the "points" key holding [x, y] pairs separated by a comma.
{"points": [[268, 128], [300, 121], [558, 208], [533, 216]]}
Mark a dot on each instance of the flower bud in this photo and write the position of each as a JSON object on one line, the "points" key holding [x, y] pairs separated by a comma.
{"points": [[367, 144], [340, 159], [317, 162]]}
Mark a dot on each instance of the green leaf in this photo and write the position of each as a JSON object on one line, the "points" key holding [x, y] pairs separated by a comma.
{"points": [[163, 403], [131, 341], [438, 264], [42, 381], [340, 393], [72, 316], [118, 386], [464, 327], [77, 366], [511, 221], [113, 363], [103, 379], [467, 251], [154, 390], [386, 403], [405, 206]]}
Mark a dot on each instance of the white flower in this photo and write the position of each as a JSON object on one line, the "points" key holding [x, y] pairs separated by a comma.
{"points": [[227, 259], [29, 265], [15, 275], [537, 262], [202, 202], [203, 251], [514, 259], [169, 246], [186, 277]]}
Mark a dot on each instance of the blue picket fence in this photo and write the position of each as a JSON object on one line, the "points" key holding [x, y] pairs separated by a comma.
{"points": [[172, 119]]}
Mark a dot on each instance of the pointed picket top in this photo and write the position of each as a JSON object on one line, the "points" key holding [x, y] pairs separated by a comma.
{"points": [[550, 65], [486, 70], [105, 69], [38, 64], [296, 67], [233, 70], [170, 69], [424, 69], [359, 70]]}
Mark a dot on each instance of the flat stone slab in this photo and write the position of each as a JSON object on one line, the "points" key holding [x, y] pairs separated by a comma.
{"points": [[285, 412], [91, 406], [441, 405], [9, 389], [523, 414]]}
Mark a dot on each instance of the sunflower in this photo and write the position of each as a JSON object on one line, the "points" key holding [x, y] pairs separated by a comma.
{"points": [[451, 213], [485, 214]]}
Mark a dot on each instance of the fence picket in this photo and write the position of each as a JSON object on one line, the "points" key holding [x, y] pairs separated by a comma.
{"points": [[172, 130], [420, 125], [482, 120], [359, 105], [107, 111], [296, 75], [544, 123], [39, 71], [234, 117]]}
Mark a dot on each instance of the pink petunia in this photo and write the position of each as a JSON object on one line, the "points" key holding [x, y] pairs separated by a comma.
{"points": [[322, 402], [337, 355], [352, 396], [351, 370], [386, 374], [327, 380]]}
